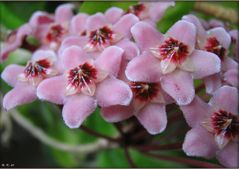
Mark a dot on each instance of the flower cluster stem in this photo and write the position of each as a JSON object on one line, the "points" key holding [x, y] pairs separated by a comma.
{"points": [[94, 133]]}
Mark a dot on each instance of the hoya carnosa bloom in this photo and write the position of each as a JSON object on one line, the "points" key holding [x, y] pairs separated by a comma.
{"points": [[215, 127], [15, 40], [148, 106], [51, 29], [100, 33], [150, 11], [216, 40], [26, 79], [86, 83], [171, 59], [47, 29]]}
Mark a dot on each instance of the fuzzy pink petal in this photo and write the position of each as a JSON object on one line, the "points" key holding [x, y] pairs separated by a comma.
{"points": [[225, 98], [64, 13], [200, 143], [113, 14], [73, 56], [124, 25], [116, 113], [146, 36], [229, 63], [77, 25], [10, 74], [72, 40], [215, 23], [184, 32], [158, 9], [144, 68], [212, 83], [39, 18], [153, 118], [195, 112], [76, 109], [44, 54], [229, 156], [201, 32], [96, 21], [231, 77], [110, 60], [179, 85], [222, 36], [112, 91], [22, 93], [131, 50], [205, 64], [23, 31], [53, 89]]}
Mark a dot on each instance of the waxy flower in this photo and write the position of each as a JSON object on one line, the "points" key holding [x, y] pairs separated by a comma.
{"points": [[15, 40], [171, 59], [25, 80], [215, 127], [148, 106], [101, 34], [47, 29], [217, 41], [147, 11], [150, 12], [86, 83], [50, 30]]}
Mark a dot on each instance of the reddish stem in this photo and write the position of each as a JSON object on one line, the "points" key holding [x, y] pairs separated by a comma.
{"points": [[182, 160], [94, 133], [172, 146], [128, 157]]}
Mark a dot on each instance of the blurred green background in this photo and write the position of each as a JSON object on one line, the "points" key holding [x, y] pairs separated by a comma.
{"points": [[25, 151]]}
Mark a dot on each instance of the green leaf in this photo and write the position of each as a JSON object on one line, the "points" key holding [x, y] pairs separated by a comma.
{"points": [[8, 18], [173, 14], [123, 5], [94, 7], [96, 122], [149, 162], [64, 159], [29, 8], [111, 158]]}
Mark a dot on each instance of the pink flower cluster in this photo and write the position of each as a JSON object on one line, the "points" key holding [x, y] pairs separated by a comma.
{"points": [[119, 61]]}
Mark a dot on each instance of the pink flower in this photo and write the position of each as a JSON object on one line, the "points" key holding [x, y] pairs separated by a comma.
{"points": [[46, 28], [150, 12], [148, 106], [215, 127], [51, 30], [25, 80], [86, 83], [15, 40], [217, 41], [171, 59], [99, 33]]}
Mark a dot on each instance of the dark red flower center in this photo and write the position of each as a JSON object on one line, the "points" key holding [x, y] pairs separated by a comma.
{"points": [[37, 69], [101, 36], [55, 33], [136, 9], [173, 50], [82, 75], [144, 91], [225, 123], [45, 20], [215, 47]]}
